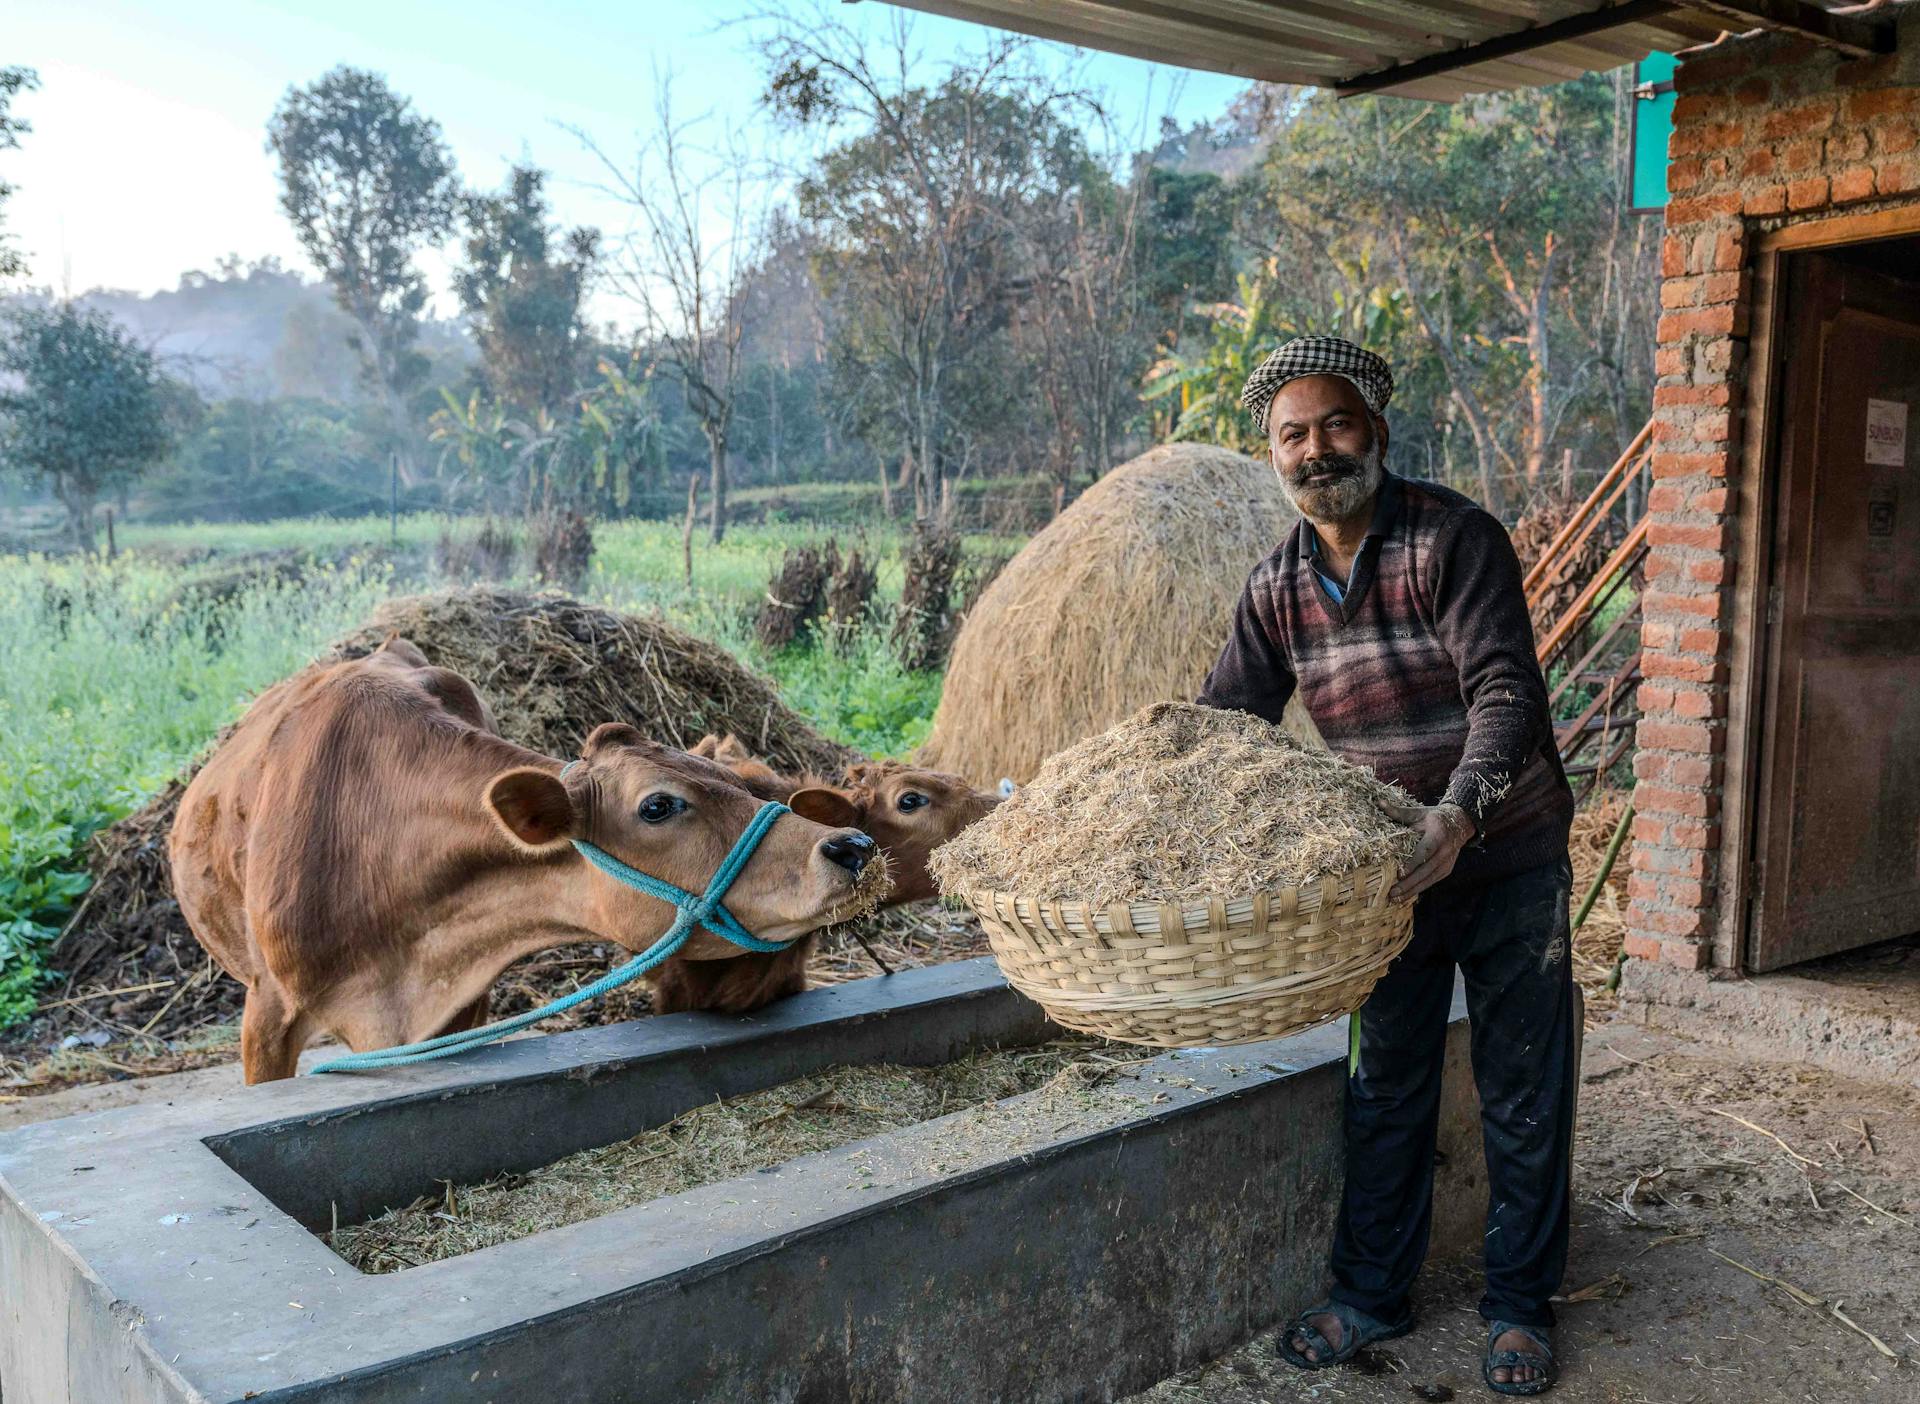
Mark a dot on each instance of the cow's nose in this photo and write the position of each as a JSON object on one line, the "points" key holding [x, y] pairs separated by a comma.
{"points": [[852, 851]]}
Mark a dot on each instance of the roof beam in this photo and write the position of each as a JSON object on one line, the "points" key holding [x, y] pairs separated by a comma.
{"points": [[1854, 35], [1519, 41]]}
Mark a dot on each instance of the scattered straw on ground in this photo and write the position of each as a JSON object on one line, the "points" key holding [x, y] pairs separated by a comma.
{"points": [[717, 1142], [1123, 600], [1178, 802]]}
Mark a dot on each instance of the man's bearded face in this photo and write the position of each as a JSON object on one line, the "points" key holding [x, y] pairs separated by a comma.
{"points": [[1335, 487], [1328, 449]]}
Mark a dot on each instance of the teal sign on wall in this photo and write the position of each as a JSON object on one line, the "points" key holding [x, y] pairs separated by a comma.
{"points": [[1652, 130]]}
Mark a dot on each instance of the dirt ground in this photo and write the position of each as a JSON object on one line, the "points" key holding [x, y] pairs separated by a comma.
{"points": [[1668, 1188], [1670, 1185]]}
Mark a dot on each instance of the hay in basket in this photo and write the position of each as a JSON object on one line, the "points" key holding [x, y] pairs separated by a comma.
{"points": [[1190, 877]]}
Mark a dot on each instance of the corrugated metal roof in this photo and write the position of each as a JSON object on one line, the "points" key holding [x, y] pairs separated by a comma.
{"points": [[1361, 45]]}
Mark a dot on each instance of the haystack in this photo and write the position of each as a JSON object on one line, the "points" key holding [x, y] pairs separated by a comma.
{"points": [[1178, 803], [1123, 600], [551, 669]]}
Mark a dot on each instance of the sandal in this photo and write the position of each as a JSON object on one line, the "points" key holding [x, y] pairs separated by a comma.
{"points": [[1361, 1331], [1540, 1359]]}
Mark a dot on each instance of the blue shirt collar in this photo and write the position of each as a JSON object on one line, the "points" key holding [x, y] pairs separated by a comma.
{"points": [[1386, 508]]}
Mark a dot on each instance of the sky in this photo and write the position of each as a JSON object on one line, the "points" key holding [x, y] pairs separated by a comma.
{"points": [[148, 155]]}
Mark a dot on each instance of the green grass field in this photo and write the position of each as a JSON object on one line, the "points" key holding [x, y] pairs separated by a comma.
{"points": [[116, 675]]}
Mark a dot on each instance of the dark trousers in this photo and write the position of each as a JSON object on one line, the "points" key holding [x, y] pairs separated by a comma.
{"points": [[1509, 938]]}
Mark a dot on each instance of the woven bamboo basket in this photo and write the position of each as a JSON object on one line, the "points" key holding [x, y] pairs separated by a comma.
{"points": [[1196, 974]]}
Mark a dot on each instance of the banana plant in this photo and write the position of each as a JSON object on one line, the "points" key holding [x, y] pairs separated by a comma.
{"points": [[1204, 384]]}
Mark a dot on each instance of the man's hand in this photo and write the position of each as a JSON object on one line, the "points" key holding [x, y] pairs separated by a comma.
{"points": [[1444, 830]]}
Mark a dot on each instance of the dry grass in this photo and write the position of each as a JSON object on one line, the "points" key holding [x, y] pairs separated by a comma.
{"points": [[1534, 532], [1124, 600], [552, 669], [1178, 802], [717, 1142], [920, 933], [1597, 943]]}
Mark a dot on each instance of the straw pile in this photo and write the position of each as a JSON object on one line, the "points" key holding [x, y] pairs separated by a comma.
{"points": [[1533, 533], [551, 669], [1178, 803], [717, 1142], [1123, 600]]}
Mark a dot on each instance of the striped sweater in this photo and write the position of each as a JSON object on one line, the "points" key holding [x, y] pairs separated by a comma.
{"points": [[1425, 672]]}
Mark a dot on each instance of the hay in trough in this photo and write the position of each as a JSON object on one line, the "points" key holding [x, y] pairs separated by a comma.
{"points": [[1125, 599], [719, 1141], [1178, 803], [551, 669]]}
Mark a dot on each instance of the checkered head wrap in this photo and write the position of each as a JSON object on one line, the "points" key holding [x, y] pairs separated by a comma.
{"points": [[1317, 355]]}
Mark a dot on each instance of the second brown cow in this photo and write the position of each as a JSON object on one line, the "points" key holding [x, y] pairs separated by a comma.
{"points": [[906, 811]]}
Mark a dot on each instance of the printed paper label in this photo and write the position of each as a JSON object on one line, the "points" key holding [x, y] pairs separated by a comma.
{"points": [[1887, 432]]}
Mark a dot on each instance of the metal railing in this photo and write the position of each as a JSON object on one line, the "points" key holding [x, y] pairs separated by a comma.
{"points": [[1601, 734]]}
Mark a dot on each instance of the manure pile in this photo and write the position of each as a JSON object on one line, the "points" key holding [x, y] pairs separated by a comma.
{"points": [[1178, 803], [552, 669], [727, 1138]]}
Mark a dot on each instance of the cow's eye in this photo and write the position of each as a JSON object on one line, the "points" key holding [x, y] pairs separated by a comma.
{"points": [[658, 808], [910, 801]]}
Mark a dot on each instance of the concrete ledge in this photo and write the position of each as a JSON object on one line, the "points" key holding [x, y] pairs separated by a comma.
{"points": [[1082, 1263], [1858, 1014]]}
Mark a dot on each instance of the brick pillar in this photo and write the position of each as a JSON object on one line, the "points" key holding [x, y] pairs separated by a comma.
{"points": [[1767, 131]]}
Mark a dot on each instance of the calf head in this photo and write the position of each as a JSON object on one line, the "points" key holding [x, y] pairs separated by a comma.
{"points": [[675, 816], [908, 812], [748, 769]]}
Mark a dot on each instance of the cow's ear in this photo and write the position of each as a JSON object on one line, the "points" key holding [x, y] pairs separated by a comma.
{"points": [[612, 734], [825, 806], [708, 746], [532, 808]]}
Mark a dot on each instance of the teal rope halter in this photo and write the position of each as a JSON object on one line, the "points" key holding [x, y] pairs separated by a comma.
{"points": [[706, 910]]}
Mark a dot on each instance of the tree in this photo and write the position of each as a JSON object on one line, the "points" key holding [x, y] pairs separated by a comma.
{"points": [[689, 278], [1085, 318], [13, 81], [916, 217], [85, 409], [1483, 247], [522, 284], [368, 183]]}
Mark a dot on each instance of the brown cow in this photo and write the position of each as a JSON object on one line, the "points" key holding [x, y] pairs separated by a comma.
{"points": [[366, 856], [908, 812]]}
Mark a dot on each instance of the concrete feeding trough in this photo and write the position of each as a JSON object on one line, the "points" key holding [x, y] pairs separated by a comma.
{"points": [[170, 1252]]}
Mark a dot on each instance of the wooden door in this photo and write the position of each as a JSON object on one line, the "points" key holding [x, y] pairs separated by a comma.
{"points": [[1837, 834]]}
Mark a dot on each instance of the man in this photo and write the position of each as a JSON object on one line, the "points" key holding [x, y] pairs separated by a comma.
{"points": [[1395, 608]]}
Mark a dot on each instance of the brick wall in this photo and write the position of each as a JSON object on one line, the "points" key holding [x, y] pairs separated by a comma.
{"points": [[1768, 131]]}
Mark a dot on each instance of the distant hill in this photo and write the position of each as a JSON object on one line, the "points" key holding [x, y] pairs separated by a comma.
{"points": [[257, 330]]}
